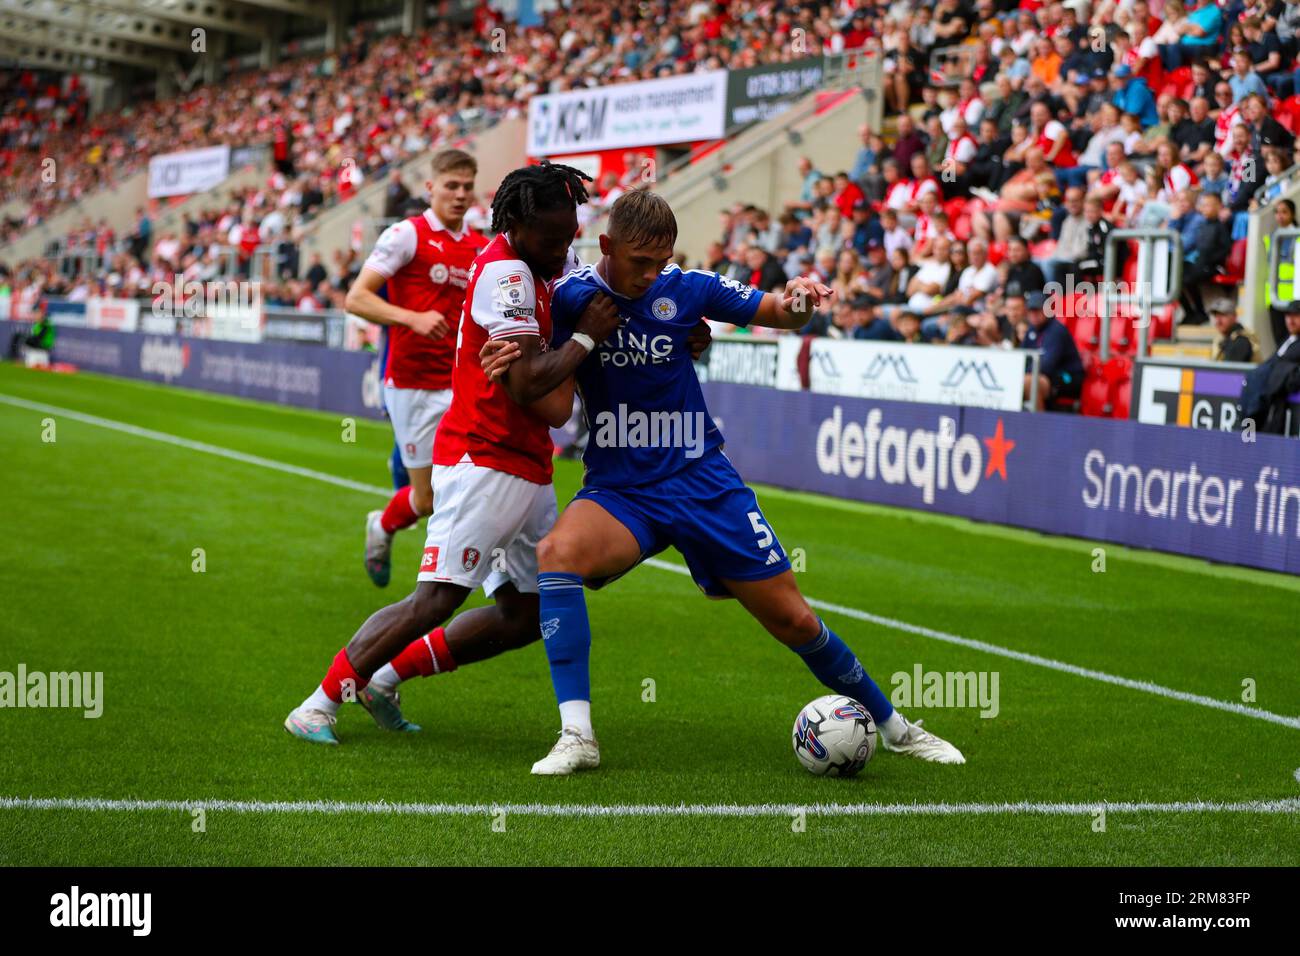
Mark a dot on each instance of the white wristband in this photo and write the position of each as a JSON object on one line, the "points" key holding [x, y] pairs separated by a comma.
{"points": [[583, 339]]}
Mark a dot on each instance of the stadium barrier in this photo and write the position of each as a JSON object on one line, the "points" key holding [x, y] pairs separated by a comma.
{"points": [[287, 373], [1192, 393], [942, 374], [1202, 493]]}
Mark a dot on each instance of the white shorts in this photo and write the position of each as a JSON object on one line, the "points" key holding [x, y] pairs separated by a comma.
{"points": [[485, 528], [415, 413]]}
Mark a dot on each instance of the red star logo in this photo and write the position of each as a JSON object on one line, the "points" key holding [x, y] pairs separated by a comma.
{"points": [[999, 447]]}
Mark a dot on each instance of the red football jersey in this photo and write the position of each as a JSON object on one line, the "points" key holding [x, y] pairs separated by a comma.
{"points": [[427, 267], [504, 298]]}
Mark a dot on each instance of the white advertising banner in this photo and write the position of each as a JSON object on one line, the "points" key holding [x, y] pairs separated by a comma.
{"points": [[193, 171], [117, 315], [940, 374], [676, 109]]}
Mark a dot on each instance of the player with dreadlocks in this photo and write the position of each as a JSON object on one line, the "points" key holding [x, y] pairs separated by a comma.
{"points": [[491, 465]]}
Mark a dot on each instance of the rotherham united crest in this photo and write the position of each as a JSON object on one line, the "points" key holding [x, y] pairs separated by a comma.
{"points": [[469, 560]]}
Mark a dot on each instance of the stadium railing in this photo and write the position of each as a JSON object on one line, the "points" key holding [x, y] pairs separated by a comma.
{"points": [[1154, 285]]}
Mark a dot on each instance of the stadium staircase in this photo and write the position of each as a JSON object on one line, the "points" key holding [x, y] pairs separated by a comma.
{"points": [[499, 147], [758, 164], [116, 204]]}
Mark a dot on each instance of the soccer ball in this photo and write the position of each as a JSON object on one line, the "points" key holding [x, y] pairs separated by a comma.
{"points": [[834, 736]]}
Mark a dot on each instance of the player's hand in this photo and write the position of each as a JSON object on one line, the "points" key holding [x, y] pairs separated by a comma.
{"points": [[802, 295], [701, 338], [496, 356], [431, 323], [599, 319]]}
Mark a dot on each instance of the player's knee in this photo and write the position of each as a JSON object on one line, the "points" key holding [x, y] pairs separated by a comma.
{"points": [[559, 554], [422, 500]]}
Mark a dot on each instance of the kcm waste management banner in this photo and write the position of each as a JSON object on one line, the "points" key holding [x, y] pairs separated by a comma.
{"points": [[1207, 494], [676, 109]]}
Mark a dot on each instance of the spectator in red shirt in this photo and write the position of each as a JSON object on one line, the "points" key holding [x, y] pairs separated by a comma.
{"points": [[847, 194]]}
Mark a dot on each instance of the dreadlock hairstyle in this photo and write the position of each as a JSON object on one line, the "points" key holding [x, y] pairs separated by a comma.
{"points": [[533, 189]]}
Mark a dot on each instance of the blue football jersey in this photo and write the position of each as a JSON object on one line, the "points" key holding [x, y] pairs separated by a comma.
{"points": [[642, 400]]}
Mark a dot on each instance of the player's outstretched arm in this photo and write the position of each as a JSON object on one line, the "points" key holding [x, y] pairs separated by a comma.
{"points": [[363, 299], [793, 308]]}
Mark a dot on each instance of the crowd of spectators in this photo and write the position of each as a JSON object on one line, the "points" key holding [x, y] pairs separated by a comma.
{"points": [[1020, 133]]}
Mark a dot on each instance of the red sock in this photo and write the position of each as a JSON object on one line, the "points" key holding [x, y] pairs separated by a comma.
{"points": [[399, 514], [341, 674], [425, 656]]}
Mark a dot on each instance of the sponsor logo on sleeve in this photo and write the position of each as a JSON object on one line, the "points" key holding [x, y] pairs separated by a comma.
{"points": [[512, 289]]}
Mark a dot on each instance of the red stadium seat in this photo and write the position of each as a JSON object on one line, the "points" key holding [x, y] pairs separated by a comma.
{"points": [[1118, 374], [997, 252], [1123, 334], [1234, 270], [1177, 82], [1287, 112], [1162, 323], [1123, 397], [1095, 400], [1086, 332]]}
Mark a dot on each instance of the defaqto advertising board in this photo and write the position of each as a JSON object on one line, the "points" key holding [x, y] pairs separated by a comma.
{"points": [[285, 373], [1203, 493]]}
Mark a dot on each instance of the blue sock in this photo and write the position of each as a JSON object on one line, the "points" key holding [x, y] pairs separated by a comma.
{"points": [[566, 634], [836, 666]]}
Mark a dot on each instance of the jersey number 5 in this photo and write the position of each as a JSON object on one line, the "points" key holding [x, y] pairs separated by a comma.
{"points": [[763, 531]]}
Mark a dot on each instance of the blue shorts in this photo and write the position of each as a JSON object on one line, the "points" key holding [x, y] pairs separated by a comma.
{"points": [[706, 512]]}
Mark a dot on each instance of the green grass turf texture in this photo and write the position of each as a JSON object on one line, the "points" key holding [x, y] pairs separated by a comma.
{"points": [[201, 668]]}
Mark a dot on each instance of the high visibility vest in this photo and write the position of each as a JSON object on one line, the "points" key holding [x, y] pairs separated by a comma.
{"points": [[1285, 276]]}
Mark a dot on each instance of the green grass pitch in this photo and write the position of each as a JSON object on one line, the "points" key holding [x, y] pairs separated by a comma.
{"points": [[96, 574]]}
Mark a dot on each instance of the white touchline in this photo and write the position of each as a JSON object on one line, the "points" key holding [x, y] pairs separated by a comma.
{"points": [[886, 622], [382, 808], [1142, 685], [204, 447]]}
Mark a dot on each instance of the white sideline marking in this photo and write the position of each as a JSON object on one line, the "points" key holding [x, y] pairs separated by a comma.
{"points": [[879, 620], [204, 447], [1146, 686], [382, 808]]}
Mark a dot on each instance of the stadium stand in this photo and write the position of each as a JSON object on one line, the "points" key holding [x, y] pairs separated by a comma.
{"points": [[1020, 134]]}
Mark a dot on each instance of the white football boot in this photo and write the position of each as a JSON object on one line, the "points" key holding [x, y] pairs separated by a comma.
{"points": [[920, 743], [316, 726], [571, 752]]}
